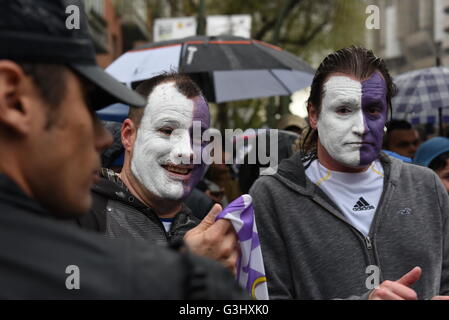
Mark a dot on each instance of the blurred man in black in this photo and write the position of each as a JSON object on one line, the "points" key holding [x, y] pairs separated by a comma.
{"points": [[50, 142]]}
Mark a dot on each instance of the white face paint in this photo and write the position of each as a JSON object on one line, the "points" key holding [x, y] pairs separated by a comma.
{"points": [[341, 123], [163, 138]]}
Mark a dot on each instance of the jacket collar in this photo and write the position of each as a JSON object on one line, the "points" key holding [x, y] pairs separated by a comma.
{"points": [[112, 187]]}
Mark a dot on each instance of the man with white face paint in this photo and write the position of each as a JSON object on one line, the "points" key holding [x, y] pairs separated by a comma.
{"points": [[163, 153], [340, 219], [162, 165]]}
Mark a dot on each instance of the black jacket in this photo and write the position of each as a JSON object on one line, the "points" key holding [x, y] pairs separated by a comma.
{"points": [[36, 249], [117, 213]]}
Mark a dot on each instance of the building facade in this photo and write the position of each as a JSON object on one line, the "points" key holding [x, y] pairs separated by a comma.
{"points": [[116, 26], [411, 34]]}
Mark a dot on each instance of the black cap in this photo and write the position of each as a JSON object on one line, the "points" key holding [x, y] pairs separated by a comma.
{"points": [[36, 31]]}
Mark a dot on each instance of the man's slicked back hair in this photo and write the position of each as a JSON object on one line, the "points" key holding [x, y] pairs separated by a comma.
{"points": [[185, 85], [356, 61]]}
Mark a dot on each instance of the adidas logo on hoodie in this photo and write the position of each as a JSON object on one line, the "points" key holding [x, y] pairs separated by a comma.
{"points": [[362, 205]]}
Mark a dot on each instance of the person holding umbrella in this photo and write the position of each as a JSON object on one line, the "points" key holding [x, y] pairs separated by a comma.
{"points": [[50, 87], [340, 219]]}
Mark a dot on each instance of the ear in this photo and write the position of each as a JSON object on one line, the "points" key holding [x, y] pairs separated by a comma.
{"points": [[128, 134], [313, 116], [15, 111]]}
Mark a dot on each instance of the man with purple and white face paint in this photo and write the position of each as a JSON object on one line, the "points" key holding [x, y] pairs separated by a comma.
{"points": [[340, 219], [162, 165], [352, 119], [164, 150]]}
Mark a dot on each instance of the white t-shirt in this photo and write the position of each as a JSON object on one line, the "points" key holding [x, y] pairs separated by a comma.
{"points": [[356, 194], [167, 222]]}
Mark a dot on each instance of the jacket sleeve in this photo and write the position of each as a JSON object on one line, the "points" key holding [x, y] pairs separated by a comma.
{"points": [[443, 200], [160, 273], [274, 253]]}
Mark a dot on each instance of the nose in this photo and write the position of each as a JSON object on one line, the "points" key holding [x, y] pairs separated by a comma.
{"points": [[182, 151], [360, 127], [103, 138]]}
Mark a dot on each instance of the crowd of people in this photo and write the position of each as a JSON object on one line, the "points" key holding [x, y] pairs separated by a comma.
{"points": [[135, 212]]}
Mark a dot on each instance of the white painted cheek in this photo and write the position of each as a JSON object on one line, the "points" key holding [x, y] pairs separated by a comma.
{"points": [[142, 165], [332, 133], [149, 152], [331, 130], [335, 132]]}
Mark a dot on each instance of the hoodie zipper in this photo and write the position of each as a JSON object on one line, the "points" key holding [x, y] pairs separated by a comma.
{"points": [[369, 246], [372, 259], [366, 239]]}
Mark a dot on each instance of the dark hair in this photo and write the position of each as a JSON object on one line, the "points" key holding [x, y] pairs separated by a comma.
{"points": [[398, 125], [183, 83], [356, 61], [439, 162], [51, 81], [392, 125]]}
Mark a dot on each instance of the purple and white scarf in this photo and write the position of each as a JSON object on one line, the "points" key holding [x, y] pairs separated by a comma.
{"points": [[250, 267]]}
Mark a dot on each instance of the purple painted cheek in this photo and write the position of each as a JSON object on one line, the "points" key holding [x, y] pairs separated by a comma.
{"points": [[201, 111], [201, 114], [373, 140], [198, 169], [197, 172], [373, 96], [196, 176]]}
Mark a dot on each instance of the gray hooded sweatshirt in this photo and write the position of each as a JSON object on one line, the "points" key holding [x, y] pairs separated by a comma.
{"points": [[311, 251]]}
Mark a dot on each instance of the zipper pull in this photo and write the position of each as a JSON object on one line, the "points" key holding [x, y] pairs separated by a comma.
{"points": [[368, 243]]}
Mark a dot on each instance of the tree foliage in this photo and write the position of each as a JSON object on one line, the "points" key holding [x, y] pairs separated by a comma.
{"points": [[309, 29]]}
